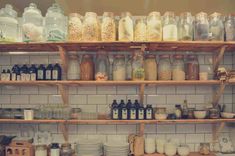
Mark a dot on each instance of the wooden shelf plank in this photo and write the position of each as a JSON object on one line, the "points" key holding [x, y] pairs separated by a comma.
{"points": [[191, 154]]}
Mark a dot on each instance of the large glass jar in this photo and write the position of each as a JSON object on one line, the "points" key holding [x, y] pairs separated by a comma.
{"points": [[201, 27], [87, 68], [75, 27], [154, 27], [216, 27], [230, 28], [150, 67], [125, 27], [66, 150], [170, 27], [41, 150], [73, 72], [129, 68], [140, 29], [185, 27], [138, 66], [178, 71], [101, 67], [32, 27], [164, 67], [108, 28], [192, 68], [55, 24], [119, 68], [90, 29], [8, 24]]}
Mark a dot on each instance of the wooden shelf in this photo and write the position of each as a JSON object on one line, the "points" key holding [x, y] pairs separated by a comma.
{"points": [[191, 154], [195, 46]]}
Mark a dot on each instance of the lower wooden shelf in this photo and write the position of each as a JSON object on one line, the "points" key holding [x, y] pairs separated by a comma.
{"points": [[191, 154]]}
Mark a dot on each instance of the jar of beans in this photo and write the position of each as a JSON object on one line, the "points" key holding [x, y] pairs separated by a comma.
{"points": [[192, 68]]}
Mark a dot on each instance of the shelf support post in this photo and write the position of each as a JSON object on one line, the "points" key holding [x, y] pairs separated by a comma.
{"points": [[64, 129], [64, 93], [142, 93], [64, 60], [218, 93], [217, 59], [142, 127], [216, 131]]}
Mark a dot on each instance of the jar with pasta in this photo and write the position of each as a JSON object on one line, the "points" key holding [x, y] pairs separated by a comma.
{"points": [[154, 27], [140, 29], [201, 27], [90, 28], [164, 67], [216, 27], [230, 28], [75, 27], [125, 27], [101, 67], [119, 68], [185, 27], [138, 66], [87, 68], [192, 68], [170, 32], [150, 67], [178, 71], [108, 28]]}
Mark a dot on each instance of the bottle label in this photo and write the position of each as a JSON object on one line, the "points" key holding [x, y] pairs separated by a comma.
{"points": [[33, 76], [149, 114], [115, 113], [48, 74], [13, 76], [27, 77], [54, 75], [132, 114], [7, 76], [22, 75], [124, 114], [18, 77], [3, 77], [141, 114], [40, 74], [55, 152]]}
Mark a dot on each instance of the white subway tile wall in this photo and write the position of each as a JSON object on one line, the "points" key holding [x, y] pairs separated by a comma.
{"points": [[98, 99]]}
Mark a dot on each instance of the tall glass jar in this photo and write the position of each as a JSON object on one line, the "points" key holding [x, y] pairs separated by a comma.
{"points": [[216, 27], [119, 68], [138, 67], [32, 27], [8, 24], [170, 27], [55, 24], [101, 67], [75, 27], [154, 27], [73, 72], [178, 71], [129, 68], [201, 27], [192, 68], [125, 27], [164, 67], [185, 27], [108, 28], [150, 67], [87, 68], [90, 29], [230, 28], [66, 150], [140, 29]]}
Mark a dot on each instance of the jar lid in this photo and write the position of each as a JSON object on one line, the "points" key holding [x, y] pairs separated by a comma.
{"points": [[164, 56], [66, 145], [55, 145], [32, 8], [55, 8], [178, 56], [91, 14], [169, 13], [186, 14], [42, 146], [75, 15], [215, 14], [123, 14], [200, 14], [108, 14], [154, 13], [8, 11]]}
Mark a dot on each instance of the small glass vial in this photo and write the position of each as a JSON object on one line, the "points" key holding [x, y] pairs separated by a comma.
{"points": [[201, 27], [126, 27], [170, 27], [75, 27], [216, 27], [185, 27], [140, 29], [108, 28], [154, 27]]}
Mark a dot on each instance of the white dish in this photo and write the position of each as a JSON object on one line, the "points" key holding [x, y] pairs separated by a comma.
{"points": [[161, 116], [200, 114], [227, 115]]}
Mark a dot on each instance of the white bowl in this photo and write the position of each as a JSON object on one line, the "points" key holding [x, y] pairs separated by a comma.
{"points": [[227, 115], [161, 116], [200, 114]]}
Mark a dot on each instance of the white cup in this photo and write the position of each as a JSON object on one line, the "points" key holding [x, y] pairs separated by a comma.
{"points": [[160, 145], [28, 114], [170, 149], [203, 76], [149, 145]]}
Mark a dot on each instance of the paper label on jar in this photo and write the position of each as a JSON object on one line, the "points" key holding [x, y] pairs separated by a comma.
{"points": [[40, 74], [170, 32], [141, 114], [27, 77], [18, 77], [22, 75], [3, 77], [13, 77], [7, 77], [124, 114], [115, 114], [55, 152], [133, 114], [33, 76], [48, 74], [54, 75], [149, 114]]}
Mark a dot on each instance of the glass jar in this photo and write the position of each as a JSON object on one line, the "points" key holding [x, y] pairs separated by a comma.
{"points": [[41, 150], [66, 150], [87, 68], [73, 72], [32, 27], [140, 29], [108, 28], [150, 67], [192, 68], [178, 71], [201, 27], [154, 27], [75, 113], [54, 149], [185, 27], [101, 67], [8, 24], [169, 27], [216, 27], [164, 67], [138, 67], [90, 29], [55, 24], [125, 27], [75, 27], [230, 28], [119, 68], [129, 68]]}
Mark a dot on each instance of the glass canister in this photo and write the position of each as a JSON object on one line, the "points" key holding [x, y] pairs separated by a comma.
{"points": [[140, 29], [66, 150], [185, 27], [41, 150], [32, 27], [178, 71], [55, 24], [101, 67], [90, 29], [108, 28], [138, 67], [201, 27], [150, 67], [75, 27], [8, 24], [192, 68], [73, 72], [119, 68], [154, 27], [125, 27], [164, 67], [170, 27], [216, 27], [129, 68], [87, 68], [230, 28]]}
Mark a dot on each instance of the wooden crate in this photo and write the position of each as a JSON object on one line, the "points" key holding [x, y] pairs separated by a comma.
{"points": [[20, 148]]}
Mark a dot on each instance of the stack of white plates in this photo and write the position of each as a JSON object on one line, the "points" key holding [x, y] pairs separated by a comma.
{"points": [[116, 149], [89, 148]]}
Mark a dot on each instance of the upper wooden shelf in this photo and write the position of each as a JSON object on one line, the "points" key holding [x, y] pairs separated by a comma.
{"points": [[194, 46]]}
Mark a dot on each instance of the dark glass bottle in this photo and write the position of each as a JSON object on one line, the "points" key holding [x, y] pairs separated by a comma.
{"points": [[57, 72], [140, 112], [41, 72], [128, 104], [33, 72], [123, 111], [149, 112], [132, 113], [16, 71], [8, 75], [3, 75], [185, 110], [49, 72], [23, 72], [114, 110]]}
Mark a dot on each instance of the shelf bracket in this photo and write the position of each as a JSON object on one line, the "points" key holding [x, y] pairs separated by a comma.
{"points": [[218, 58], [64, 129], [216, 131], [141, 129], [142, 47], [142, 86], [218, 93], [64, 59], [64, 93]]}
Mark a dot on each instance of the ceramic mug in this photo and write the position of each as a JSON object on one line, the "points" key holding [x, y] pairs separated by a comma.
{"points": [[160, 145], [170, 149], [149, 145]]}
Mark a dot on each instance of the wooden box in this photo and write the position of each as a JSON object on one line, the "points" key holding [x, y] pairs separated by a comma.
{"points": [[20, 148]]}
